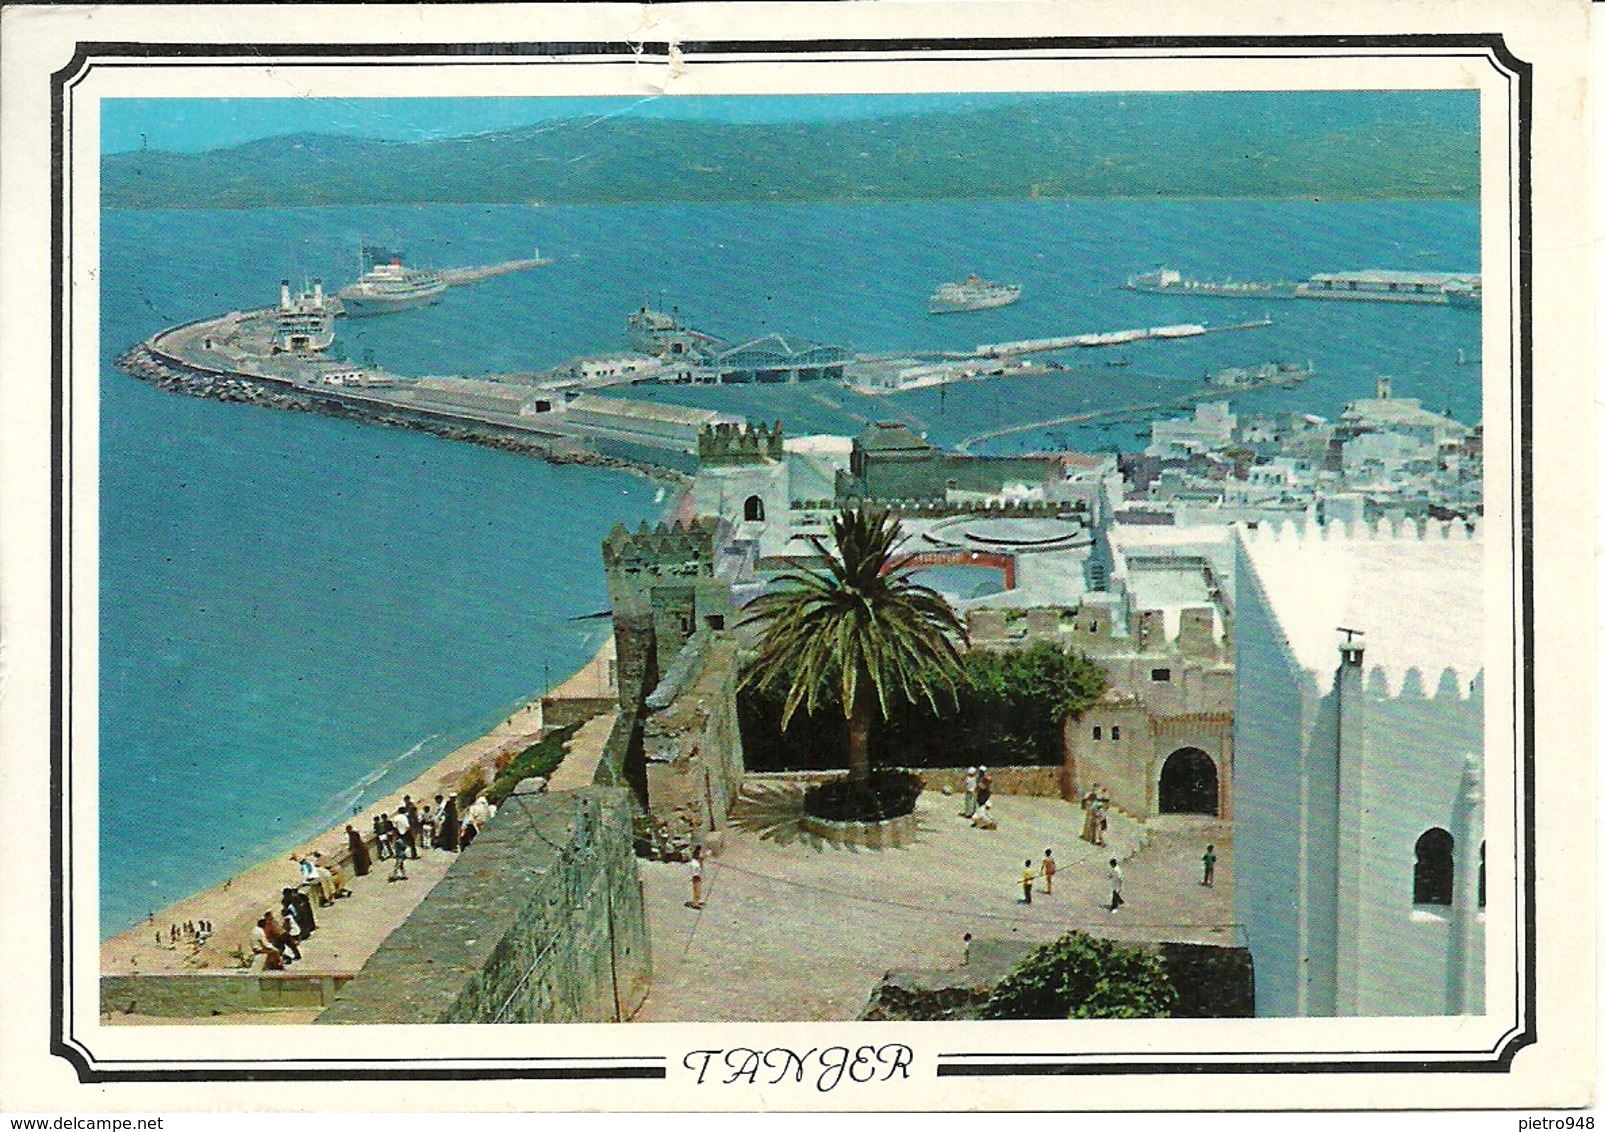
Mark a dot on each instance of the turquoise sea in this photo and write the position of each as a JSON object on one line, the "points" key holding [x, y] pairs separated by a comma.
{"points": [[299, 613]]}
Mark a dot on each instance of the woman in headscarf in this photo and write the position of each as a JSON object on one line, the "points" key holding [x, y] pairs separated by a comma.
{"points": [[361, 862]]}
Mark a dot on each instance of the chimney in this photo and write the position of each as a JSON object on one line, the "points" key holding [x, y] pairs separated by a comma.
{"points": [[284, 294], [317, 293]]}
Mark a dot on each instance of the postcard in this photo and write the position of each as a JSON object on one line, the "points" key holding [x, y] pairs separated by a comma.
{"points": [[783, 557]]}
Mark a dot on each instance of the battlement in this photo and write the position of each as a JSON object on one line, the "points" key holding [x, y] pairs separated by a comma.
{"points": [[651, 550], [1382, 683], [1383, 530], [721, 445], [941, 508]]}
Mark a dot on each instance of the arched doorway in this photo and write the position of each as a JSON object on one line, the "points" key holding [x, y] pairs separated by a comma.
{"points": [[752, 511], [1189, 784]]}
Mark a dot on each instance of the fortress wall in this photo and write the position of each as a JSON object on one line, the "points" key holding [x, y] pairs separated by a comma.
{"points": [[540, 920]]}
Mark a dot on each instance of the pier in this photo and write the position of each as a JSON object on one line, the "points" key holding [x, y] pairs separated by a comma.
{"points": [[458, 276]]}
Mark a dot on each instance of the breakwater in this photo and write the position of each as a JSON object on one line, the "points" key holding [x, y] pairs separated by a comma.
{"points": [[280, 389]]}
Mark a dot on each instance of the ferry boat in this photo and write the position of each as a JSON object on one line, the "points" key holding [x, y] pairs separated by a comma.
{"points": [[974, 294], [303, 323], [387, 287]]}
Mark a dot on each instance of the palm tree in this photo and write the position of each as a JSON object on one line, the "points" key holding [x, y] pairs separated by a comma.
{"points": [[861, 626]]}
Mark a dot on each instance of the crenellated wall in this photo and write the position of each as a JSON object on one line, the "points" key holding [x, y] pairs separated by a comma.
{"points": [[541, 919]]}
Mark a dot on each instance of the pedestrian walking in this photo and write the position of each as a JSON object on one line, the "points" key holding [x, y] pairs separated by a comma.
{"points": [[1025, 881], [696, 877], [971, 778], [1209, 866], [1115, 881], [1049, 867]]}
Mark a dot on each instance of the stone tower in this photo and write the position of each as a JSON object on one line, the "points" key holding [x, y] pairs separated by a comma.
{"points": [[661, 585]]}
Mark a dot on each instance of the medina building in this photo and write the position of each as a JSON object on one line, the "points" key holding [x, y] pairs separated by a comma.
{"points": [[1359, 760]]}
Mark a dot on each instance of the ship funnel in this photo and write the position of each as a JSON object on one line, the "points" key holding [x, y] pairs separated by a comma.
{"points": [[284, 294], [317, 293]]}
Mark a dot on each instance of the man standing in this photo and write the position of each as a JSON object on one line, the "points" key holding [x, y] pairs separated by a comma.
{"points": [[1209, 866], [1048, 869], [970, 780], [1115, 879], [983, 788], [1025, 881], [696, 877]]}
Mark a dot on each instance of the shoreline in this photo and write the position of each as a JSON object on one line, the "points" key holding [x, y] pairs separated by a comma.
{"points": [[233, 905]]}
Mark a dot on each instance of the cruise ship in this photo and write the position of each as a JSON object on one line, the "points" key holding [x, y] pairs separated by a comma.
{"points": [[388, 287], [974, 294]]}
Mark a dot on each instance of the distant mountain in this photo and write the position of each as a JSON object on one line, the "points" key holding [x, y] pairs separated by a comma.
{"points": [[1395, 144]]}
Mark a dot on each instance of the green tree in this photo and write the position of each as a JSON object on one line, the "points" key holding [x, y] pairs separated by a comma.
{"points": [[861, 629], [1078, 976]]}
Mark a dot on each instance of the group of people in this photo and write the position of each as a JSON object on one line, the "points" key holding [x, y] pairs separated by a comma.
{"points": [[1049, 868], [397, 837], [400, 835], [277, 937], [193, 932], [978, 798]]}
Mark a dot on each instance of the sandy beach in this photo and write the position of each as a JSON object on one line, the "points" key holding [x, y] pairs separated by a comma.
{"points": [[375, 909]]}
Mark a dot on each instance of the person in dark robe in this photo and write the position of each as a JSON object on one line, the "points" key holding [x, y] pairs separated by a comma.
{"points": [[279, 937], [361, 862], [301, 904], [450, 828]]}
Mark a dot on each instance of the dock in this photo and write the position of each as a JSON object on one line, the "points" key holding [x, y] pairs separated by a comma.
{"points": [[458, 276]]}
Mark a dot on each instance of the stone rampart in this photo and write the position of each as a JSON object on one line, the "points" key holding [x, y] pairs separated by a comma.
{"points": [[205, 995], [540, 920], [575, 711]]}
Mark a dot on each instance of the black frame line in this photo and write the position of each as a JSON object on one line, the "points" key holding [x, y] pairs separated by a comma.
{"points": [[112, 54]]}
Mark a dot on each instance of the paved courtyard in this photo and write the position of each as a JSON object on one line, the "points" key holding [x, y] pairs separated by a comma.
{"points": [[793, 928]]}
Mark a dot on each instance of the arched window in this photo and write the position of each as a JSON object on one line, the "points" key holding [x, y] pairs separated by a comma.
{"points": [[1097, 733], [1435, 868], [753, 510]]}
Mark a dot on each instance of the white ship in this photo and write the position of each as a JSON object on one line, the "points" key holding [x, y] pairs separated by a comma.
{"points": [[388, 287], [974, 294]]}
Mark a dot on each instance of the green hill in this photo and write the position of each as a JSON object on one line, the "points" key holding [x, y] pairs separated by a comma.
{"points": [[1331, 144]]}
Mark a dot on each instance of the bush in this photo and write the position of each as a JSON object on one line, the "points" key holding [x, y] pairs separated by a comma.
{"points": [[885, 795], [535, 761], [1011, 711], [1078, 976]]}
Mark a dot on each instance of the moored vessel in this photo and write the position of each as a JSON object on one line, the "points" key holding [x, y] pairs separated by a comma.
{"points": [[387, 287]]}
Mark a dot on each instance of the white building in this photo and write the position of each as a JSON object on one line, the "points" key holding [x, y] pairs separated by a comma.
{"points": [[1358, 753]]}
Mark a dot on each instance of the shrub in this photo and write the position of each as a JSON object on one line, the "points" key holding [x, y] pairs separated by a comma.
{"points": [[886, 794], [1078, 976], [470, 785], [535, 761]]}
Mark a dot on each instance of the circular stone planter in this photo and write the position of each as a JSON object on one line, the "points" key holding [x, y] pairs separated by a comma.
{"points": [[863, 834]]}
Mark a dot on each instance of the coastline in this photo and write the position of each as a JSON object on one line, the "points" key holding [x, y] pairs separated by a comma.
{"points": [[233, 906]]}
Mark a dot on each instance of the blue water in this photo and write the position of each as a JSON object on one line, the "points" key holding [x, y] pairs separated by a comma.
{"points": [[300, 613]]}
